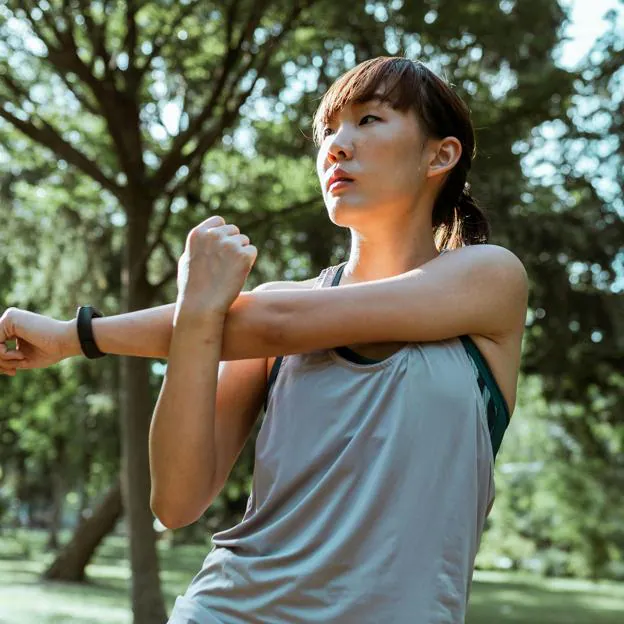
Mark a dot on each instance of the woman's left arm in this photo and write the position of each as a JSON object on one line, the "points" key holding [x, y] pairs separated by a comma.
{"points": [[473, 290], [479, 290]]}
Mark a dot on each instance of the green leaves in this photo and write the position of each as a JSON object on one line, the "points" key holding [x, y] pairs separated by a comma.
{"points": [[163, 113]]}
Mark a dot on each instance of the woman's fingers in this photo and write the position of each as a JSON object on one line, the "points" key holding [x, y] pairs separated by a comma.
{"points": [[10, 354], [8, 368], [242, 239]]}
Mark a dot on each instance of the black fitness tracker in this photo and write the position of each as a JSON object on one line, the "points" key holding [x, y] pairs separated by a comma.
{"points": [[85, 331]]}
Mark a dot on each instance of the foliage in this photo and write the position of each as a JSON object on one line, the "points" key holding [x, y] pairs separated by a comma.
{"points": [[114, 113]]}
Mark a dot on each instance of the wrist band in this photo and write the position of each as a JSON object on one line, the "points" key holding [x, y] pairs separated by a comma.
{"points": [[85, 331]]}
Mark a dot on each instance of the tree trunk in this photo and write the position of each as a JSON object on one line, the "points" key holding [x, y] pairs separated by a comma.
{"points": [[71, 562], [83, 495], [83, 486], [58, 494], [136, 411]]}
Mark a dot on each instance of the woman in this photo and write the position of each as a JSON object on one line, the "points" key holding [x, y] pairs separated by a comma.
{"points": [[374, 464]]}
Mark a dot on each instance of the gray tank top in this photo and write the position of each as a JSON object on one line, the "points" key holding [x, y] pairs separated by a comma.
{"points": [[371, 486]]}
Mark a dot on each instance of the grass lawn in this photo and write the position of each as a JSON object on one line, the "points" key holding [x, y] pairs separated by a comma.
{"points": [[501, 598]]}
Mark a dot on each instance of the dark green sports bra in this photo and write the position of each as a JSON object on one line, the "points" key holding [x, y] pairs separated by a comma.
{"points": [[495, 404]]}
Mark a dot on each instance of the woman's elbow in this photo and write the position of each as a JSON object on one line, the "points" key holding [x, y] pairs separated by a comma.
{"points": [[171, 515], [177, 509]]}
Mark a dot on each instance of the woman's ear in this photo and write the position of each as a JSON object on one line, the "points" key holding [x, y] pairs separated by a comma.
{"points": [[444, 156]]}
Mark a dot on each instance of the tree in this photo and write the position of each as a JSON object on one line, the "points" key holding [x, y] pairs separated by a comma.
{"points": [[109, 61], [161, 106], [59, 434]]}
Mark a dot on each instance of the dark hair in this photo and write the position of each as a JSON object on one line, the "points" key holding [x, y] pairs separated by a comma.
{"points": [[405, 85]]}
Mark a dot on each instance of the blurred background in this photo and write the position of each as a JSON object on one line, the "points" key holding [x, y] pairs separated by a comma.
{"points": [[124, 124]]}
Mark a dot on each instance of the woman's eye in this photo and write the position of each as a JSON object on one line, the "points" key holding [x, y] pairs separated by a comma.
{"points": [[363, 120]]}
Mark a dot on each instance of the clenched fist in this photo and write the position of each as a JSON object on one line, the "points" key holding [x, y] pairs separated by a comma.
{"points": [[213, 269]]}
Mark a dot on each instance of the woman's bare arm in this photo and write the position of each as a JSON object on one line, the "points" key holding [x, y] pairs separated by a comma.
{"points": [[182, 445], [147, 333], [480, 290]]}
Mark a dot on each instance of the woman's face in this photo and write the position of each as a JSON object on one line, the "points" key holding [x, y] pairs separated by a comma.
{"points": [[380, 150]]}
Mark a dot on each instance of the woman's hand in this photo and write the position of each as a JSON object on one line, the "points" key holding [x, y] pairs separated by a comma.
{"points": [[40, 340], [212, 270], [211, 274]]}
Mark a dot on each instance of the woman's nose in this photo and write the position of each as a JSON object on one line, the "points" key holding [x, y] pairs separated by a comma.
{"points": [[340, 146]]}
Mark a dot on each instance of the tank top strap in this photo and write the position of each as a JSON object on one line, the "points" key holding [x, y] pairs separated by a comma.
{"points": [[328, 277], [321, 279]]}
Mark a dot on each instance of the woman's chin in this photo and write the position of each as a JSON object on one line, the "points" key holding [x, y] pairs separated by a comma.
{"points": [[346, 212]]}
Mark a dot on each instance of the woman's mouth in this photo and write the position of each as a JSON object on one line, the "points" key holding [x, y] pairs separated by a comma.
{"points": [[338, 184]]}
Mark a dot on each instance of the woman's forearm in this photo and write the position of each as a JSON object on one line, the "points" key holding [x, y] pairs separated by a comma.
{"points": [[181, 440], [147, 333], [144, 333]]}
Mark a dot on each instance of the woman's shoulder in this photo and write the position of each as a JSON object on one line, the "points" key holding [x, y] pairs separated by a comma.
{"points": [[492, 255]]}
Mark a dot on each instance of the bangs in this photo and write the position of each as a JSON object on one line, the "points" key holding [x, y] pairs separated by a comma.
{"points": [[396, 81]]}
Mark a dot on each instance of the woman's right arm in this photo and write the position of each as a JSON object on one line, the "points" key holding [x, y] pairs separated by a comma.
{"points": [[186, 454], [196, 438], [182, 446]]}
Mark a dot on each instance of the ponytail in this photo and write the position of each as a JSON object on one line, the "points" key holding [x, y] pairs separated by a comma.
{"points": [[463, 224]]}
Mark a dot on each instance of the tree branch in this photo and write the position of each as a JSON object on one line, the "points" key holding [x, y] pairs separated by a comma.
{"points": [[174, 160], [230, 20], [158, 239], [30, 6], [17, 89], [97, 35], [207, 139], [119, 112], [84, 102], [298, 207], [171, 274], [46, 135], [193, 161], [130, 45], [63, 56], [53, 47], [252, 23]]}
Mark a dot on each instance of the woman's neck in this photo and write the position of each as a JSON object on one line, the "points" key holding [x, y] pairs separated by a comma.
{"points": [[388, 251]]}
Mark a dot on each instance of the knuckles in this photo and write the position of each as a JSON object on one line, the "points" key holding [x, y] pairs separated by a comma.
{"points": [[211, 222], [213, 238], [8, 315]]}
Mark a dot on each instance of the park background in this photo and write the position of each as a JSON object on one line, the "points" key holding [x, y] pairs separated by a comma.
{"points": [[124, 124]]}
